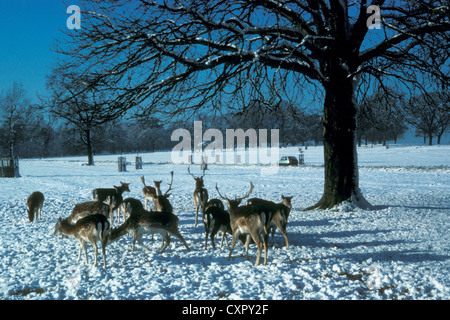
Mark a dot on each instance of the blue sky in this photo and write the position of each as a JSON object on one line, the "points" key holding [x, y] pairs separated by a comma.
{"points": [[28, 30]]}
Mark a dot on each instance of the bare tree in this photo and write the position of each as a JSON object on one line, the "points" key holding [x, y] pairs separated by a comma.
{"points": [[429, 115], [86, 110], [177, 57], [15, 113], [380, 117]]}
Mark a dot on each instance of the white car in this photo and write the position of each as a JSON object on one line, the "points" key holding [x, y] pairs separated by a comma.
{"points": [[288, 161]]}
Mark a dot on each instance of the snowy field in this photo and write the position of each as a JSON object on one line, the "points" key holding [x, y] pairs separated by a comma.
{"points": [[399, 250]]}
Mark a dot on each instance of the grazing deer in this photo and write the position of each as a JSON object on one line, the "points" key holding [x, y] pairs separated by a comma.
{"points": [[216, 219], [249, 220], [35, 201], [91, 228], [112, 196], [164, 223], [278, 211], [150, 193], [200, 195], [88, 208]]}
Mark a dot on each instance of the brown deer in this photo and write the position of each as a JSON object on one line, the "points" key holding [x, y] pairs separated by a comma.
{"points": [[150, 193], [91, 228], [278, 211], [35, 201], [88, 208], [164, 223], [249, 220], [200, 195], [112, 196]]}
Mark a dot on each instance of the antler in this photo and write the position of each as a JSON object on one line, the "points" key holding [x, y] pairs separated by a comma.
{"points": [[143, 181], [224, 198], [240, 199], [189, 170], [170, 184], [248, 194]]}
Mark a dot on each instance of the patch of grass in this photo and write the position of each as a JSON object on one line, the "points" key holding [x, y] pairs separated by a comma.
{"points": [[223, 295], [26, 291]]}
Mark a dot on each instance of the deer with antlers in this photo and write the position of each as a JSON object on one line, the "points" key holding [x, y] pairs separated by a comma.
{"points": [[200, 194], [250, 220]]}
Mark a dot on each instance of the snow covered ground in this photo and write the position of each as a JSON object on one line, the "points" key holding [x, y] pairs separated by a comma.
{"points": [[399, 250]]}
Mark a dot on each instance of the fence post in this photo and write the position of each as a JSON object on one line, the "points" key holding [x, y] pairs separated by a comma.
{"points": [[9, 167], [122, 162], [138, 163]]}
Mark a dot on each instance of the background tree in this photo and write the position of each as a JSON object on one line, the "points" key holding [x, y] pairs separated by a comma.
{"points": [[429, 115], [85, 111], [380, 117], [16, 118], [176, 57]]}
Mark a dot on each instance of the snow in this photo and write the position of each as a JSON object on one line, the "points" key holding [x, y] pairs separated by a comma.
{"points": [[398, 250]]}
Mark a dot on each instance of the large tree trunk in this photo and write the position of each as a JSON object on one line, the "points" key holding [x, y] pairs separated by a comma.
{"points": [[340, 155]]}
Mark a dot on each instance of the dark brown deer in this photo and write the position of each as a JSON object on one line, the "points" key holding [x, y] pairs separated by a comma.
{"points": [[35, 201]]}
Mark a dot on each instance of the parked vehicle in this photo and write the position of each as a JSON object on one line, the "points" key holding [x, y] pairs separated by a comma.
{"points": [[288, 161]]}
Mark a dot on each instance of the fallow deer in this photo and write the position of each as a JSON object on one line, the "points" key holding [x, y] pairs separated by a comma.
{"points": [[164, 223], [88, 208], [150, 193], [161, 201], [214, 203], [216, 219], [247, 220], [200, 195], [112, 196], [91, 228], [35, 201], [278, 211]]}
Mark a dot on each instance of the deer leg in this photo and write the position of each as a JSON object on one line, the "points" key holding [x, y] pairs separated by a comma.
{"points": [[233, 242], [83, 245], [247, 243], [179, 236], [167, 242], [257, 240], [104, 242], [196, 215], [266, 247], [282, 228], [213, 234], [94, 244]]}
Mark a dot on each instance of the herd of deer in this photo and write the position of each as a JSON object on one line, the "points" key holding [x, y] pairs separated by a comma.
{"points": [[91, 221]]}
